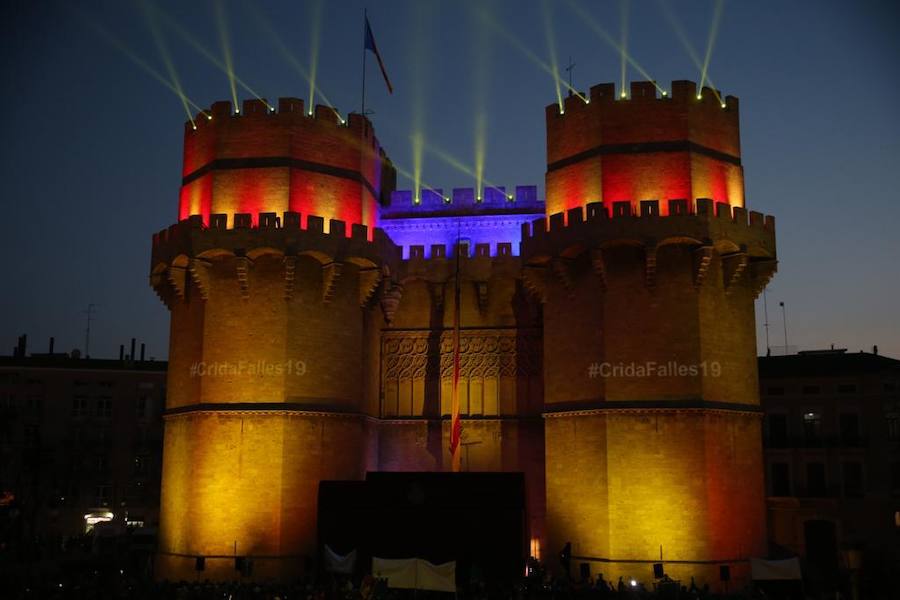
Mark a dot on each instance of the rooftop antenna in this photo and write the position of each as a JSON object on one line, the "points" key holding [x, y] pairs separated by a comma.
{"points": [[570, 69], [784, 321], [87, 330], [766, 324]]}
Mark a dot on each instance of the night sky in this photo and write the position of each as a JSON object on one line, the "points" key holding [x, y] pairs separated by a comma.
{"points": [[91, 143]]}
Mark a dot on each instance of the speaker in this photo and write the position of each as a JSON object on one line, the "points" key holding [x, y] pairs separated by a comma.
{"points": [[240, 564], [724, 573], [200, 563], [584, 569], [658, 570]]}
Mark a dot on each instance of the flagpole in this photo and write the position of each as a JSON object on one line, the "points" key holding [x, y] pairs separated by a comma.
{"points": [[454, 408], [365, 23]]}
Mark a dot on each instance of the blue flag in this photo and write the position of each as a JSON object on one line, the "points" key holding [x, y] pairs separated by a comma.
{"points": [[370, 45]]}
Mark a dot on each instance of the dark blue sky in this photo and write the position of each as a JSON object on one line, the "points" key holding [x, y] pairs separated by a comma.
{"points": [[91, 144]]}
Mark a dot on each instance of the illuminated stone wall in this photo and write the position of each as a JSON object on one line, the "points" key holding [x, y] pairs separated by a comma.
{"points": [[307, 347], [643, 147], [652, 420], [246, 484], [267, 160]]}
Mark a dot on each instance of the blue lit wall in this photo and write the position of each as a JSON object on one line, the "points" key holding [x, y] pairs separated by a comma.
{"points": [[437, 219]]}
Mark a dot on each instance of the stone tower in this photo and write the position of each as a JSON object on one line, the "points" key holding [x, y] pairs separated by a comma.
{"points": [[648, 267], [607, 339], [268, 276]]}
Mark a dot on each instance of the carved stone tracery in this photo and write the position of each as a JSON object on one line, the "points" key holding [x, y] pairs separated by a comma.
{"points": [[483, 354]]}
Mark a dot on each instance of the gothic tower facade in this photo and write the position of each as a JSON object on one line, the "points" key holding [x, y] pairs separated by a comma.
{"points": [[607, 334], [271, 308], [648, 276]]}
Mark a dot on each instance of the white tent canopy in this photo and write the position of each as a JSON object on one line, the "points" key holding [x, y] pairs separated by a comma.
{"points": [[416, 574]]}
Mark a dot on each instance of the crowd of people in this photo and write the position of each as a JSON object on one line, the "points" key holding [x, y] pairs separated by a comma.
{"points": [[96, 585]]}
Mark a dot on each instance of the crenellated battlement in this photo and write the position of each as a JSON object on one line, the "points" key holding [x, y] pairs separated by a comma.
{"points": [[289, 111], [643, 121], [293, 158], [443, 252], [280, 233], [706, 224], [463, 201], [258, 131], [641, 93]]}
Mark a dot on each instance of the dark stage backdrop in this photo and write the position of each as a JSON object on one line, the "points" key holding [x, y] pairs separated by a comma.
{"points": [[476, 519]]}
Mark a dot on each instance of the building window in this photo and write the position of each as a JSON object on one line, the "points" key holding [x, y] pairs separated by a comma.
{"points": [[7, 401], [895, 478], [809, 390], [31, 436], [104, 407], [812, 426], [781, 479], [776, 391], [850, 429], [79, 406], [778, 430], [846, 388], [893, 425], [70, 493], [102, 495], [101, 463], [815, 480], [141, 407], [853, 480], [35, 403], [141, 465], [136, 493]]}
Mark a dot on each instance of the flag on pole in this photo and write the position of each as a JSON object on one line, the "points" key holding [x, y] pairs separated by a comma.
{"points": [[370, 45]]}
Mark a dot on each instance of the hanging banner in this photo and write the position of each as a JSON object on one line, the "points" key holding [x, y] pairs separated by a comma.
{"points": [[416, 574], [335, 563]]}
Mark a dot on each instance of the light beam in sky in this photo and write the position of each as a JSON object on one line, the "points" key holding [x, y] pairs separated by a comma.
{"points": [[208, 55], [551, 50], [222, 27], [526, 51], [315, 22], [140, 62], [688, 46], [292, 60], [711, 40], [623, 41], [592, 23]]}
